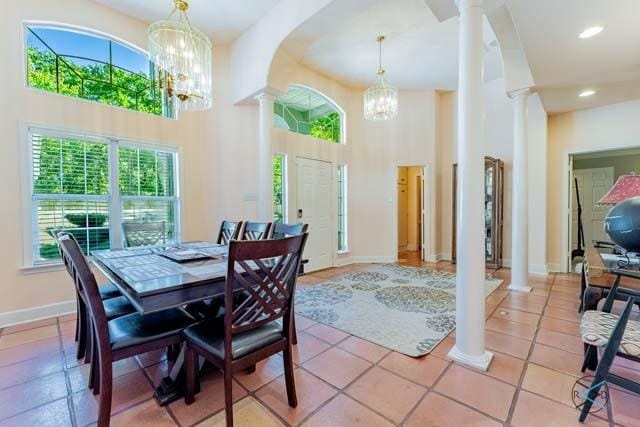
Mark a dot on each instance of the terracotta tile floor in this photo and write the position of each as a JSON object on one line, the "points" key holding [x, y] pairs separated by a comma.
{"points": [[341, 380]]}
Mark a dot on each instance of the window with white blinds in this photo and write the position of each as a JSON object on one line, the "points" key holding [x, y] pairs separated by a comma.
{"points": [[74, 179], [147, 187]]}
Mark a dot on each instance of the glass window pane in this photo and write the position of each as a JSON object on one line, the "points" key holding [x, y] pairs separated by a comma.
{"points": [[83, 65], [147, 211], [279, 206]]}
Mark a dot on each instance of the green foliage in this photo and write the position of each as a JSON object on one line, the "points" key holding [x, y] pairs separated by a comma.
{"points": [[93, 80], [327, 127], [278, 191]]}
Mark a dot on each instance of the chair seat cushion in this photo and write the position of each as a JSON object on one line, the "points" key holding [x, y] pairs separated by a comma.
{"points": [[596, 328], [209, 334], [116, 307], [135, 329], [109, 290]]}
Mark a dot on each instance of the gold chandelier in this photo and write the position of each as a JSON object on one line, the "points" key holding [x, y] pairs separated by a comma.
{"points": [[182, 55], [381, 99]]}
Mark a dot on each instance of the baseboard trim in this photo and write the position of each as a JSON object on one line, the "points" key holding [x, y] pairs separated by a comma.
{"points": [[443, 256], [17, 317], [555, 267], [534, 269]]}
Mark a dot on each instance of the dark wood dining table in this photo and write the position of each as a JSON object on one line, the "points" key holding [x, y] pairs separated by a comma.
{"points": [[152, 281]]}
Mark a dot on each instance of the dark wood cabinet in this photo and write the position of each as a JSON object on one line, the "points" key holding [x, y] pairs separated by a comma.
{"points": [[493, 211]]}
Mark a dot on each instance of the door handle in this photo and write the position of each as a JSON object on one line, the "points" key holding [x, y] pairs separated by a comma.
{"points": [[299, 213]]}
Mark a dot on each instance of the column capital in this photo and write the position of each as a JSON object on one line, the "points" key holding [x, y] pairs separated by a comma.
{"points": [[523, 92], [265, 96], [468, 3]]}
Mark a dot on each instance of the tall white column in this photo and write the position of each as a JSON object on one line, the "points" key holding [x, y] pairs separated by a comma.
{"points": [[470, 295], [265, 158], [520, 195]]}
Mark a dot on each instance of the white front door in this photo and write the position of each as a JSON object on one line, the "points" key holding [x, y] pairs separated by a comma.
{"points": [[592, 184], [314, 203]]}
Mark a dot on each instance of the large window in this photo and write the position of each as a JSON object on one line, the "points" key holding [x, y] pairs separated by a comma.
{"points": [[88, 185], [342, 208], [87, 66], [305, 111], [279, 188]]}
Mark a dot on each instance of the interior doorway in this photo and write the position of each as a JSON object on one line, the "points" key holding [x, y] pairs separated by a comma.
{"points": [[591, 176], [410, 212]]}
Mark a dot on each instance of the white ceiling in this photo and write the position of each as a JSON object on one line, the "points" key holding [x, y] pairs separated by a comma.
{"points": [[563, 65], [222, 20], [419, 51]]}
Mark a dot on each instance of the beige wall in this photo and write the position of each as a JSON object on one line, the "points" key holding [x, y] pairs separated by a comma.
{"points": [[598, 129], [219, 149], [21, 105]]}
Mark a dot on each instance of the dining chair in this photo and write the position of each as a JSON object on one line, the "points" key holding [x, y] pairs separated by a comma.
{"points": [[617, 336], [280, 230], [251, 331], [122, 337], [144, 233], [255, 231], [115, 305], [228, 231]]}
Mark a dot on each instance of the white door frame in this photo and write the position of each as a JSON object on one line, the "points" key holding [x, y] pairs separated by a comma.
{"points": [[567, 176], [428, 226]]}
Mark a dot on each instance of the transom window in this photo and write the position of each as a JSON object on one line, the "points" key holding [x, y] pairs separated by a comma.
{"points": [[89, 185], [303, 110], [83, 65]]}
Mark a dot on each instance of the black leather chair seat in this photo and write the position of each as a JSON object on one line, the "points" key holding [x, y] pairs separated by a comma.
{"points": [[117, 307], [135, 329], [109, 291], [209, 334]]}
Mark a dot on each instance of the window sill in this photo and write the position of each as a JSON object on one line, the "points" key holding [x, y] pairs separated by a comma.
{"points": [[42, 268]]}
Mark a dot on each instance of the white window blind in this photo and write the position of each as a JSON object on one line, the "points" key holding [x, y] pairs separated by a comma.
{"points": [[148, 187], [70, 179], [72, 188]]}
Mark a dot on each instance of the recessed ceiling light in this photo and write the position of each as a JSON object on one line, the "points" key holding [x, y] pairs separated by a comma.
{"points": [[590, 32], [586, 93]]}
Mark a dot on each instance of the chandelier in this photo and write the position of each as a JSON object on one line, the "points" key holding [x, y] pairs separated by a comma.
{"points": [[381, 99], [182, 55]]}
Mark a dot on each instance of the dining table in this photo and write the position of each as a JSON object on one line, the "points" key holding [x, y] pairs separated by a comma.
{"points": [[158, 278]]}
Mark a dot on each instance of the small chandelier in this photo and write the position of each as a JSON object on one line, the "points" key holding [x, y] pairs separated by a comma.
{"points": [[182, 55], [381, 99]]}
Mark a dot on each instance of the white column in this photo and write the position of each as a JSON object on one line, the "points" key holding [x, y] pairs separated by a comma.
{"points": [[520, 195], [470, 294], [265, 158]]}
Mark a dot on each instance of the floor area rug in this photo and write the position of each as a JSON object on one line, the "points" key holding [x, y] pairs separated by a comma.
{"points": [[406, 309]]}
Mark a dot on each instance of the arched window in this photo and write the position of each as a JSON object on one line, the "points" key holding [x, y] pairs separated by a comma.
{"points": [[305, 111], [89, 66]]}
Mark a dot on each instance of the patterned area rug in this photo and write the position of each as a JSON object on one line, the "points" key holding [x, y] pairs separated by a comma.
{"points": [[406, 309]]}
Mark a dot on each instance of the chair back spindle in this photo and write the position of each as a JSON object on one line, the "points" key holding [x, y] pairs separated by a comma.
{"points": [[228, 231], [255, 231]]}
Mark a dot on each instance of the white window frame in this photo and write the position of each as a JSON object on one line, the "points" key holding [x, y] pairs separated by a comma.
{"points": [[30, 245], [285, 186], [345, 205]]}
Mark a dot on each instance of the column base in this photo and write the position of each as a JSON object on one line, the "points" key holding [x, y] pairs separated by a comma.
{"points": [[518, 288], [477, 362]]}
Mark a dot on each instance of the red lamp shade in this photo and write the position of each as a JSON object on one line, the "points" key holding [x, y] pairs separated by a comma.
{"points": [[626, 186]]}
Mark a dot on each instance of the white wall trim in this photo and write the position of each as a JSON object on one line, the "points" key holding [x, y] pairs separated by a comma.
{"points": [[341, 262], [554, 267], [17, 317]]}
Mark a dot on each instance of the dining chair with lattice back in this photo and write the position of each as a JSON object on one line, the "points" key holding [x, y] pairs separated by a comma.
{"points": [[122, 337], [257, 328], [229, 230], [281, 230], [255, 231], [144, 233]]}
